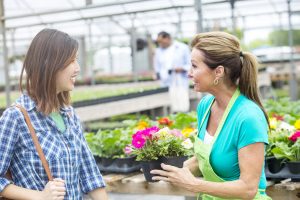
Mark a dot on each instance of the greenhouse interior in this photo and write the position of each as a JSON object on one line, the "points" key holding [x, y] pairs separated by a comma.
{"points": [[150, 99]]}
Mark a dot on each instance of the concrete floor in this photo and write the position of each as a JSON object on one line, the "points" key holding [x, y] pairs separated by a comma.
{"points": [[118, 196]]}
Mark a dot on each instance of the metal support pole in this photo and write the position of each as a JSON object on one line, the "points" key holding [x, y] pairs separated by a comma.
{"points": [[133, 48], [110, 55], [133, 53], [5, 55], [198, 6], [179, 24], [293, 78], [91, 54], [13, 52], [233, 20]]}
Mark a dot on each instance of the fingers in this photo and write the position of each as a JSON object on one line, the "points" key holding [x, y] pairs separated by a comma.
{"points": [[57, 189], [160, 178], [169, 168], [159, 172]]}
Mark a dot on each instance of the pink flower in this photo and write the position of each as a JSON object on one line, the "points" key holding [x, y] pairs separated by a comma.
{"points": [[295, 136], [128, 150], [149, 131], [137, 134], [140, 137], [138, 141], [176, 133]]}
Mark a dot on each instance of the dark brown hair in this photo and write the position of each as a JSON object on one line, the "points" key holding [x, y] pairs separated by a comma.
{"points": [[50, 51], [220, 48]]}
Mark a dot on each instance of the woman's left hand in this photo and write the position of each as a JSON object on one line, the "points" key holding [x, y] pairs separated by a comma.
{"points": [[177, 176]]}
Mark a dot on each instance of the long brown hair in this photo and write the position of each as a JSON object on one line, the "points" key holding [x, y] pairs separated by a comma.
{"points": [[50, 51], [220, 48]]}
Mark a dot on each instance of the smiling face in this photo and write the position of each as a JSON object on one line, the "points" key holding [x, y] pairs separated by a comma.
{"points": [[66, 77], [201, 75]]}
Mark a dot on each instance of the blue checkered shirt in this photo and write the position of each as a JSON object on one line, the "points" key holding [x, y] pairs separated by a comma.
{"points": [[67, 153]]}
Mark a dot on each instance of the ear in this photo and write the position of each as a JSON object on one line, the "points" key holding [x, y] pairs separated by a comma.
{"points": [[220, 71]]}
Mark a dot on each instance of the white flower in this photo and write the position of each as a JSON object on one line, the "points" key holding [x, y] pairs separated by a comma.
{"points": [[162, 133], [284, 125], [187, 143]]}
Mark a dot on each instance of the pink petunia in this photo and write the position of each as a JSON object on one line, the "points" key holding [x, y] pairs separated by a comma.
{"points": [[176, 133], [128, 150], [149, 131], [137, 134], [295, 136], [138, 142]]}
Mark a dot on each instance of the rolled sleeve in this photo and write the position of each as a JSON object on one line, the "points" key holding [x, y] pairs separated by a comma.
{"points": [[8, 138], [90, 176]]}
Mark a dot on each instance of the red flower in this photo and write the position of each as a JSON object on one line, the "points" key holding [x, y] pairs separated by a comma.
{"points": [[165, 121], [295, 136], [278, 117]]}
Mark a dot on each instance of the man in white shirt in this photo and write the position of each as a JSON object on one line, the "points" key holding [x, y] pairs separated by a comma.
{"points": [[172, 63]]}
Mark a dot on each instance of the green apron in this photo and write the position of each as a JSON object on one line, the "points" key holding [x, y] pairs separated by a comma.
{"points": [[202, 152]]}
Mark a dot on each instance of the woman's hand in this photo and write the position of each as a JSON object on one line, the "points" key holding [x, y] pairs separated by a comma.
{"points": [[177, 176], [54, 190]]}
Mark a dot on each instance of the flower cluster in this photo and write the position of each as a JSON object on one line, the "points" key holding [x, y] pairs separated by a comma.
{"points": [[152, 143], [284, 139], [140, 137]]}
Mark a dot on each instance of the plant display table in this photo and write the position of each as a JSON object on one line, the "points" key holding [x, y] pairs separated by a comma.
{"points": [[135, 183]]}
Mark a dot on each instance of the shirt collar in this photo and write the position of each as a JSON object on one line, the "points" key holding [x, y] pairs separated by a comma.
{"points": [[29, 104]]}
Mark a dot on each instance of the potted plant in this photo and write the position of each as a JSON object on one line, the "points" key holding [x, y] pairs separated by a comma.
{"points": [[108, 146], [278, 134], [290, 151], [154, 146], [294, 163]]}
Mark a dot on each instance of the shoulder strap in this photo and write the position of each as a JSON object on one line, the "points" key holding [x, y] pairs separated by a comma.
{"points": [[36, 142]]}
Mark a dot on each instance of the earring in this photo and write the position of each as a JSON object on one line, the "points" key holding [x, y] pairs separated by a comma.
{"points": [[216, 81]]}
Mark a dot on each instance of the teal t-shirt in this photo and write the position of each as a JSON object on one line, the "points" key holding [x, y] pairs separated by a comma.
{"points": [[59, 121], [244, 125]]}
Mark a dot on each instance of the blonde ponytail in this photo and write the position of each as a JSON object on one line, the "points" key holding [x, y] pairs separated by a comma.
{"points": [[248, 79]]}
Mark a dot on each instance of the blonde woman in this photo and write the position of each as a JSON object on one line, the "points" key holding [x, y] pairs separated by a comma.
{"points": [[232, 124], [51, 68]]}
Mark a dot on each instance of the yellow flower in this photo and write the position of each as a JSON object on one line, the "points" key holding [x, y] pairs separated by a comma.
{"points": [[273, 122], [187, 131], [297, 124], [142, 125]]}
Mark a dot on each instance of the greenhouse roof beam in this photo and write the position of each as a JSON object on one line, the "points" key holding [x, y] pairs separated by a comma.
{"points": [[71, 9], [95, 6], [99, 16]]}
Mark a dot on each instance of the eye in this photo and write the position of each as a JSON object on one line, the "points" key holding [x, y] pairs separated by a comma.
{"points": [[194, 66]]}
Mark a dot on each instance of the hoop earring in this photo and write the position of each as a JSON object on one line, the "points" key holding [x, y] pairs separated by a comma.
{"points": [[216, 81]]}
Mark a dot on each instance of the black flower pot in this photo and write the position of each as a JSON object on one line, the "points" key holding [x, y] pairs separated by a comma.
{"points": [[176, 161], [98, 159], [274, 165], [126, 162], [294, 167], [147, 166], [107, 161]]}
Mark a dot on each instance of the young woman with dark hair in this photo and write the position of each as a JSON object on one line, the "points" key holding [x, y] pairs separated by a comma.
{"points": [[51, 68]]}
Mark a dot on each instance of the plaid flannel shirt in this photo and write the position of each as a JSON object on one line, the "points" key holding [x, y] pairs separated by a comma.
{"points": [[67, 153]]}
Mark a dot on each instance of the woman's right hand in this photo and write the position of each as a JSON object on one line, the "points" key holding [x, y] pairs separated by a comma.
{"points": [[54, 190]]}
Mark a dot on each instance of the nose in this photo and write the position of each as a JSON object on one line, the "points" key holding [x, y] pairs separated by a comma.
{"points": [[77, 69]]}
